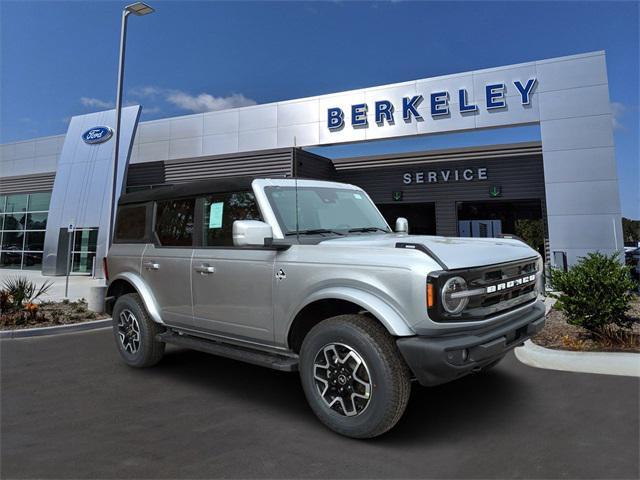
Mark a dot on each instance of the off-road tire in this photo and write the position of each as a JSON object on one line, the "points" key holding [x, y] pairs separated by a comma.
{"points": [[390, 384], [150, 350]]}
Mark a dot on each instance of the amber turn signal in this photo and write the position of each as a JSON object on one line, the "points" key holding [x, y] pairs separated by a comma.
{"points": [[430, 296]]}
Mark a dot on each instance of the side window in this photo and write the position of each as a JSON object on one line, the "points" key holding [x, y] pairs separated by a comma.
{"points": [[131, 224], [174, 222], [220, 211]]}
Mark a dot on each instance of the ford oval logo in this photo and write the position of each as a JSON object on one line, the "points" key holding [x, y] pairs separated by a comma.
{"points": [[97, 135]]}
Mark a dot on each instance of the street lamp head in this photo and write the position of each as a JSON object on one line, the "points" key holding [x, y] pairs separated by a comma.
{"points": [[139, 8]]}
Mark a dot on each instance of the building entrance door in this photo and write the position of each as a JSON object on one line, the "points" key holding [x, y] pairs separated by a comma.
{"points": [[83, 251]]}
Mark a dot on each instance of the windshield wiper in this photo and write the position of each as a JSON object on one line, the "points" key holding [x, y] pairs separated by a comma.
{"points": [[315, 231], [368, 229]]}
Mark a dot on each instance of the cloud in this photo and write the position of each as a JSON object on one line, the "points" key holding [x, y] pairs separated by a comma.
{"points": [[151, 110], [617, 111], [205, 102], [95, 103], [146, 91]]}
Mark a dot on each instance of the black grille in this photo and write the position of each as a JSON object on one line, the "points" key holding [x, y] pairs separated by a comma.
{"points": [[487, 305]]}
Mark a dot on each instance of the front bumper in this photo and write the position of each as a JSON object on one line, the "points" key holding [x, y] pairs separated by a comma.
{"points": [[440, 359]]}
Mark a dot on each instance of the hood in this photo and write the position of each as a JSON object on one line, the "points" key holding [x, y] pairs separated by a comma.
{"points": [[453, 252]]}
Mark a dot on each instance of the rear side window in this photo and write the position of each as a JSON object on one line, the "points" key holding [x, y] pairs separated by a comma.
{"points": [[174, 222], [219, 213], [131, 224]]}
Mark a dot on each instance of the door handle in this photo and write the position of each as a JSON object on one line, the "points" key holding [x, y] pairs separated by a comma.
{"points": [[151, 265], [205, 269]]}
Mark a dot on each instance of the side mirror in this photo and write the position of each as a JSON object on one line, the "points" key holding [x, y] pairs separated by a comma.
{"points": [[251, 233], [402, 225]]}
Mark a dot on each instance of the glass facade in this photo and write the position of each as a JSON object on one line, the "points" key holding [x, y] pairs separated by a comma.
{"points": [[23, 221], [83, 251]]}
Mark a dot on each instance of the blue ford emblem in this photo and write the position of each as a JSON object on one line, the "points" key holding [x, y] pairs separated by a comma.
{"points": [[97, 135]]}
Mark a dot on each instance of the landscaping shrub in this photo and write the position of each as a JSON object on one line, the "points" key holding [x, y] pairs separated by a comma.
{"points": [[20, 292], [18, 307], [595, 293]]}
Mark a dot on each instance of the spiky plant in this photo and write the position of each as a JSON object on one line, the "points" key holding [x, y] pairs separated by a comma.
{"points": [[22, 291]]}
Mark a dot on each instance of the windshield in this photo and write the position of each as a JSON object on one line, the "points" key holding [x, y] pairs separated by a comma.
{"points": [[324, 210]]}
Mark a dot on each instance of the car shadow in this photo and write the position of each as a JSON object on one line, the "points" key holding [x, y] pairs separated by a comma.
{"points": [[482, 400], [280, 391]]}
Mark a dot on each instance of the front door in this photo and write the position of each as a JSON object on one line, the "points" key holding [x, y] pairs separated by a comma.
{"points": [[232, 286], [83, 255], [166, 266]]}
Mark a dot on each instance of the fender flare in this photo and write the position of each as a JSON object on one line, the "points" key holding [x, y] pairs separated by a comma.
{"points": [[145, 293], [381, 310]]}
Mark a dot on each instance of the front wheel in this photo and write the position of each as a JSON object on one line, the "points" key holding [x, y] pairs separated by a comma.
{"points": [[353, 376], [135, 332]]}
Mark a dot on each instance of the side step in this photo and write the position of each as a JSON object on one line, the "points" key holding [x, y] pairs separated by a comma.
{"points": [[255, 357]]}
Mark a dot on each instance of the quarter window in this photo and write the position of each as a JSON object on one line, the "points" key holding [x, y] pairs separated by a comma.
{"points": [[221, 210], [131, 224], [174, 222]]}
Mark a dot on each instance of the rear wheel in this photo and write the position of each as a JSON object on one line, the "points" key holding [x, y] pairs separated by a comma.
{"points": [[135, 332], [353, 376]]}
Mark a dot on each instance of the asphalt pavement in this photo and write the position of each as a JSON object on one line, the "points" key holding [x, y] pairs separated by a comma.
{"points": [[71, 409]]}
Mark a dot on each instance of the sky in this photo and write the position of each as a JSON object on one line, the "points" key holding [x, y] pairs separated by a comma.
{"points": [[59, 59]]}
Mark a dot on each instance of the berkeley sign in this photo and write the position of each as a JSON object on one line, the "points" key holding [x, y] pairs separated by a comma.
{"points": [[439, 104]]}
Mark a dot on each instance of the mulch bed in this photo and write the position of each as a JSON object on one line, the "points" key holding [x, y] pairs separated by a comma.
{"points": [[50, 314], [559, 335]]}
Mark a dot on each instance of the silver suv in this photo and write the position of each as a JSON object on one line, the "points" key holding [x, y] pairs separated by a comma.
{"points": [[304, 275]]}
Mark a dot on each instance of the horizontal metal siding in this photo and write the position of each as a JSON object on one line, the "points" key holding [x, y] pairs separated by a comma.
{"points": [[276, 163], [27, 183], [521, 178], [447, 219], [151, 173], [420, 158], [309, 165]]}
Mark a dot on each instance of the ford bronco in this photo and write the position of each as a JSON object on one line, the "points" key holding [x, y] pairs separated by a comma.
{"points": [[307, 276]]}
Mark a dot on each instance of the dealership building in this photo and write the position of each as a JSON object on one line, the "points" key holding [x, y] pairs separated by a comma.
{"points": [[559, 193]]}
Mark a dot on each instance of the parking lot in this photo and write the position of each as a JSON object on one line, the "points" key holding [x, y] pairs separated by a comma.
{"points": [[71, 409]]}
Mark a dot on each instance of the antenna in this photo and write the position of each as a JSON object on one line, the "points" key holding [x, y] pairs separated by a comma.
{"points": [[295, 180]]}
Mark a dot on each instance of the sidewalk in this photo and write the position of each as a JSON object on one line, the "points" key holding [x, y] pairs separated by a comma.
{"points": [[608, 363], [79, 285]]}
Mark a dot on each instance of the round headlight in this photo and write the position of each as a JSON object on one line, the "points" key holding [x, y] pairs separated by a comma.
{"points": [[451, 302]]}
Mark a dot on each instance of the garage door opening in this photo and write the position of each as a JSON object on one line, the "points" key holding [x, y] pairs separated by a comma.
{"points": [[421, 216], [489, 219]]}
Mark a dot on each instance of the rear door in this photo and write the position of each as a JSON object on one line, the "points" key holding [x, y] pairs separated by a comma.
{"points": [[232, 286], [166, 265]]}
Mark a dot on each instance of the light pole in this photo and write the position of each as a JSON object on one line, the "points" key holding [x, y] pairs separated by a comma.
{"points": [[138, 9]]}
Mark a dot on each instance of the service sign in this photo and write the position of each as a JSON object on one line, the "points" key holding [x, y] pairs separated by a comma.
{"points": [[440, 104], [97, 135]]}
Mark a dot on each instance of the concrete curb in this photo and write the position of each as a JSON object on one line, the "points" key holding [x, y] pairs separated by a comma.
{"points": [[55, 330], [608, 363]]}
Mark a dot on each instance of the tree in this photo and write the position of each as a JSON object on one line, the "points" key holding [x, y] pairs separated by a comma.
{"points": [[630, 230]]}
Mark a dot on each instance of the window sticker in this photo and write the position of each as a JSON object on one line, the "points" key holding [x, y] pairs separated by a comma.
{"points": [[357, 196], [215, 215]]}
